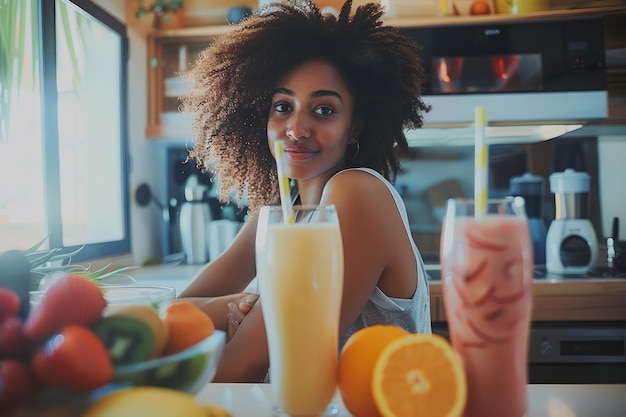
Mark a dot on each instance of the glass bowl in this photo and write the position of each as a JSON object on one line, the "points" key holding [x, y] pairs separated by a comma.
{"points": [[159, 296], [188, 370]]}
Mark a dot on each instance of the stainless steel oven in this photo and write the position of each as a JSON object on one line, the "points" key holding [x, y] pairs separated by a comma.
{"points": [[577, 352], [573, 352], [520, 70]]}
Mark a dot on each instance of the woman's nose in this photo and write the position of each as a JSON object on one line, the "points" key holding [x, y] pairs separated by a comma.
{"points": [[299, 127]]}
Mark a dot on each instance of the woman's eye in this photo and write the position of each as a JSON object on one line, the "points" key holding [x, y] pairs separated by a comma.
{"points": [[281, 107], [324, 111]]}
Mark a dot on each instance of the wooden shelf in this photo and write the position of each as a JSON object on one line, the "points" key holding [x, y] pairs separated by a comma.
{"points": [[502, 18]]}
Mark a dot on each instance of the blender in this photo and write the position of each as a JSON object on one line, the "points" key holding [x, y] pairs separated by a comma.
{"points": [[571, 243], [531, 188]]}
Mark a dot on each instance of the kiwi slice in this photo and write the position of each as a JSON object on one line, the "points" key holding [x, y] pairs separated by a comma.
{"points": [[132, 334], [179, 375]]}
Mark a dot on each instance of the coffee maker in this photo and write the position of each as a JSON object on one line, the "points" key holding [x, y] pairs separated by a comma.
{"points": [[571, 243], [532, 187]]}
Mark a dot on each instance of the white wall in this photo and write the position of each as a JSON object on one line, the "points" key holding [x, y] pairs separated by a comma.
{"points": [[612, 156]]}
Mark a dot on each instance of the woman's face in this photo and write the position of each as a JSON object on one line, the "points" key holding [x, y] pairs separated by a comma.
{"points": [[311, 112]]}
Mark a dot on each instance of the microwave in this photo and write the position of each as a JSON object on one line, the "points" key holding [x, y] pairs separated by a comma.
{"points": [[521, 71]]}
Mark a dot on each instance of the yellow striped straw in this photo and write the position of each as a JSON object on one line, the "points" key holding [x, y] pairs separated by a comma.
{"points": [[283, 182], [481, 162]]}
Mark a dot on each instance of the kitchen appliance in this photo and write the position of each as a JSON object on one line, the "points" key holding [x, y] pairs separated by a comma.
{"points": [[572, 352], [537, 79], [577, 352], [531, 188], [195, 217], [571, 242]]}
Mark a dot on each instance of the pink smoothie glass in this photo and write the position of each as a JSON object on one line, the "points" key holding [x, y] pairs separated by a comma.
{"points": [[487, 272]]}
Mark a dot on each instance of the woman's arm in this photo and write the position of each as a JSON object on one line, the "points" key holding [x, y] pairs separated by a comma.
{"points": [[220, 308], [246, 356]]}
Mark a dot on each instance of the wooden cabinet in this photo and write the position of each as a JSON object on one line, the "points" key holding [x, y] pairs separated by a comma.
{"points": [[169, 54], [172, 51], [561, 301]]}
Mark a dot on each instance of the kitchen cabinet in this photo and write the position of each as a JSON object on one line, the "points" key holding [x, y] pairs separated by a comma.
{"points": [[172, 51], [567, 300]]}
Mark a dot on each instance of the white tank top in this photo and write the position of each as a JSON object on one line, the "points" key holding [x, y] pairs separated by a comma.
{"points": [[412, 314]]}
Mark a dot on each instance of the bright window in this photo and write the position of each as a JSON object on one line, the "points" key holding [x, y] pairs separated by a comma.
{"points": [[63, 170]]}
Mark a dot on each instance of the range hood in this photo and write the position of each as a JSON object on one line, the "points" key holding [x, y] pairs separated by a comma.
{"points": [[512, 117]]}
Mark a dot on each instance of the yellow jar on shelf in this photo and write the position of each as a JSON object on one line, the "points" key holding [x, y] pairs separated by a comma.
{"points": [[521, 6]]}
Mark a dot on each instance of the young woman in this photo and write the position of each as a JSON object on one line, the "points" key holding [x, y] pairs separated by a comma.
{"points": [[339, 91]]}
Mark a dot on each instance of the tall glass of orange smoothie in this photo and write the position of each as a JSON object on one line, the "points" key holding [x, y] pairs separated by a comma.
{"points": [[300, 273], [487, 271]]}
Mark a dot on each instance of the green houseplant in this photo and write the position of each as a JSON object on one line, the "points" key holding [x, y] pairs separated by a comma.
{"points": [[166, 12], [16, 38]]}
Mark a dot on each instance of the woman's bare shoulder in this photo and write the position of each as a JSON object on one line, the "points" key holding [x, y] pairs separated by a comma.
{"points": [[357, 182]]}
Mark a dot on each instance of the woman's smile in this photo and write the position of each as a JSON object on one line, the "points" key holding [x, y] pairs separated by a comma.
{"points": [[299, 153]]}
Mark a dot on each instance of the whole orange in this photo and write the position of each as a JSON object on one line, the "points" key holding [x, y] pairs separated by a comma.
{"points": [[480, 7], [187, 325], [356, 366]]}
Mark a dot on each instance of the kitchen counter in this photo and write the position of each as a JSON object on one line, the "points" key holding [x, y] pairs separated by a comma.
{"points": [[554, 298], [176, 276], [544, 400]]}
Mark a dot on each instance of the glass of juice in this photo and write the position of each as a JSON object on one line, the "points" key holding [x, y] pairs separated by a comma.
{"points": [[487, 272], [300, 273]]}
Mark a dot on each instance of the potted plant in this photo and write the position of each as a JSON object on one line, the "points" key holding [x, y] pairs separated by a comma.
{"points": [[167, 13]]}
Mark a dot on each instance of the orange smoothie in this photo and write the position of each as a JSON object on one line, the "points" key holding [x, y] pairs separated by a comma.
{"points": [[487, 285], [300, 273]]}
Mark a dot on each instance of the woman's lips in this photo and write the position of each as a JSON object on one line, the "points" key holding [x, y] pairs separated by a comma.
{"points": [[299, 153]]}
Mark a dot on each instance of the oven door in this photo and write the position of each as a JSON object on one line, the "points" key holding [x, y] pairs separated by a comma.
{"points": [[577, 353], [513, 57], [573, 352]]}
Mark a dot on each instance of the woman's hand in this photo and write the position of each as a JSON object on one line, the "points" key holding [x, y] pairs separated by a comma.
{"points": [[237, 311]]}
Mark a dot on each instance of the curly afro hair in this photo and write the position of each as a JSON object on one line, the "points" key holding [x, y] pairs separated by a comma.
{"points": [[234, 78]]}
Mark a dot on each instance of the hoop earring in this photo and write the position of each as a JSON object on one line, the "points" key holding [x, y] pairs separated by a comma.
{"points": [[356, 152]]}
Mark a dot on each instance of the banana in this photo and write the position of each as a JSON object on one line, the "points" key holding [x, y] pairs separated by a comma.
{"points": [[152, 402]]}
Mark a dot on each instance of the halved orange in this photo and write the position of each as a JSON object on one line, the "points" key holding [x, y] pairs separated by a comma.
{"points": [[419, 375]]}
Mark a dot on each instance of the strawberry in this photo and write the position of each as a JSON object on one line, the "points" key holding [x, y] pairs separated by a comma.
{"points": [[75, 359], [16, 385], [9, 303], [72, 299], [11, 337]]}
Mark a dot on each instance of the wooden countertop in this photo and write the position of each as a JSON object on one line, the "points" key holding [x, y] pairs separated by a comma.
{"points": [[568, 299]]}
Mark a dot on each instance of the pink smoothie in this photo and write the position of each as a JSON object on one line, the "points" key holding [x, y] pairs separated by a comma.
{"points": [[487, 285]]}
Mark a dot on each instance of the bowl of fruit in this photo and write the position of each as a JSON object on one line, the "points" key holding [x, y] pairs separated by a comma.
{"points": [[178, 348], [70, 341], [188, 370]]}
